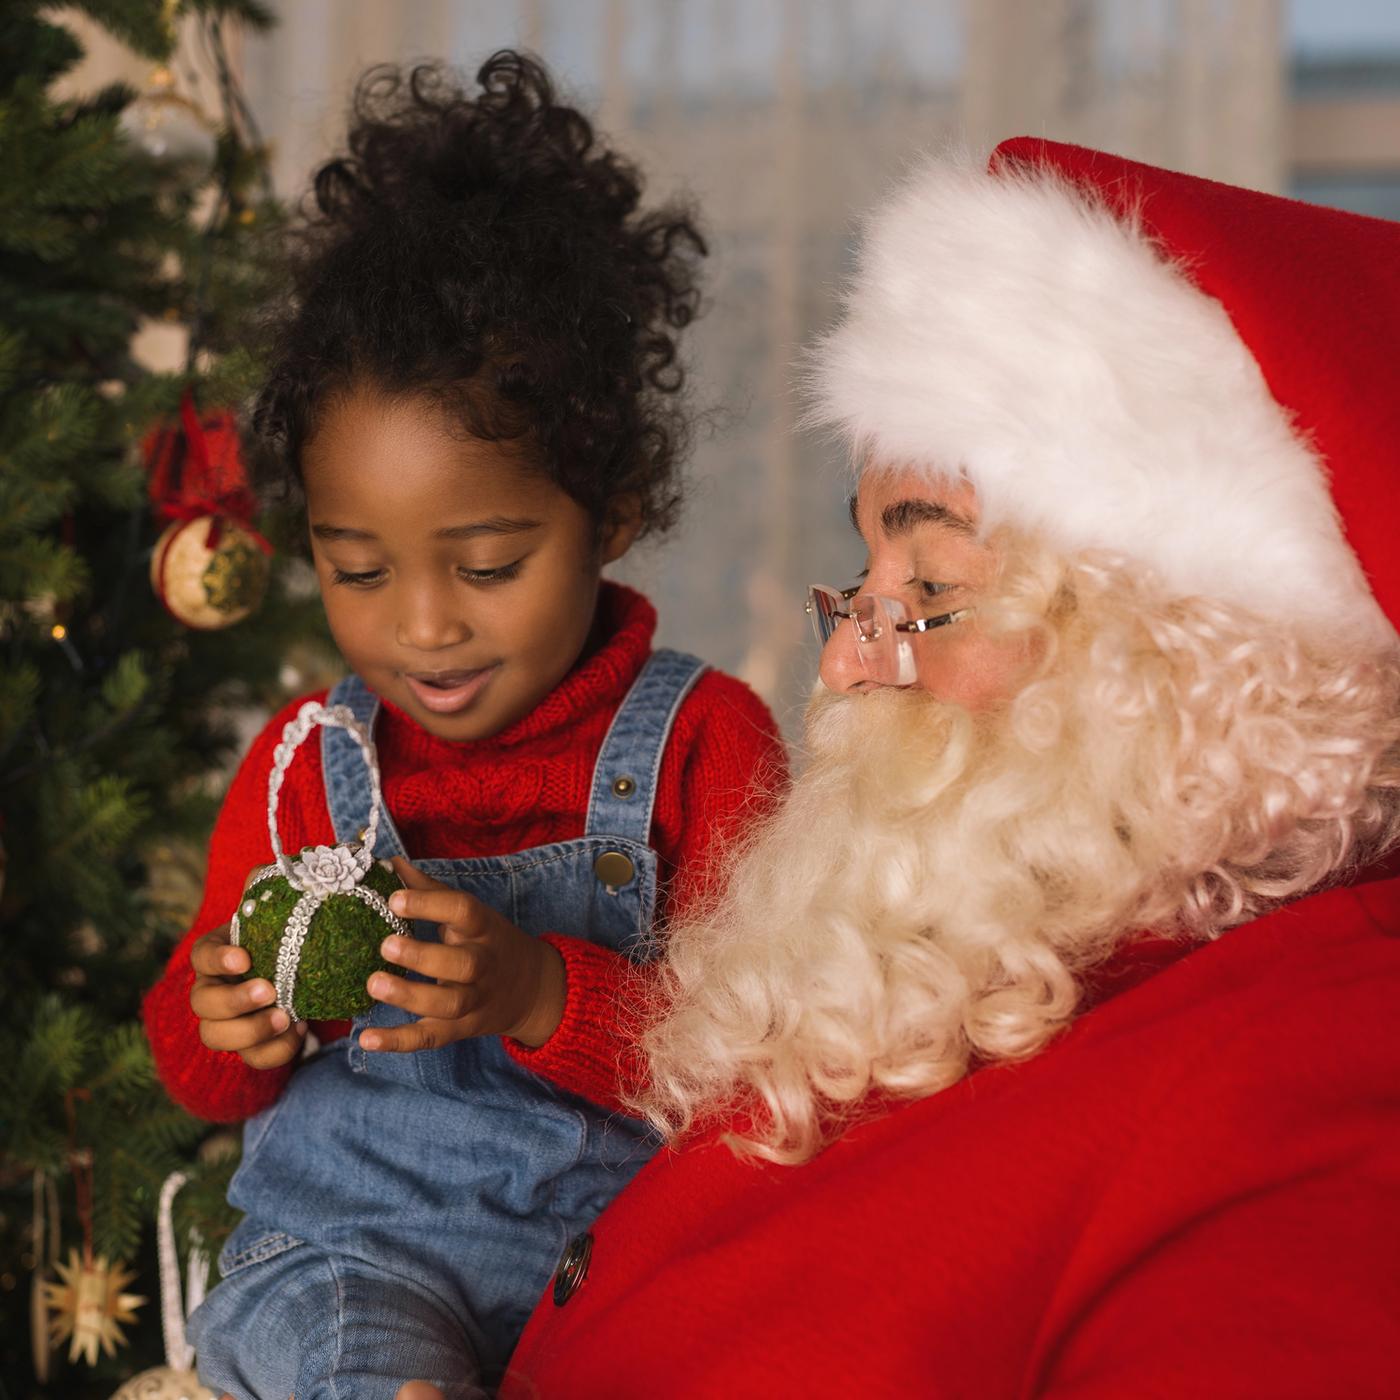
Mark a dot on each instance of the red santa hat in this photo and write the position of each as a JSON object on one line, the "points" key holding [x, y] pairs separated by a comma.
{"points": [[1197, 376]]}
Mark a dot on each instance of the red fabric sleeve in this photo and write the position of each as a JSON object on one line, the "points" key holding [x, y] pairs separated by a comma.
{"points": [[593, 1051], [217, 1084], [1249, 1247], [724, 768]]}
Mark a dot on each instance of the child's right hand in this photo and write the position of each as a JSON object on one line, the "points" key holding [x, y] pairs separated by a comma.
{"points": [[236, 1015]]}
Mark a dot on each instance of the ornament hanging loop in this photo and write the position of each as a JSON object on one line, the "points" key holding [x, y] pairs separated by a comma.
{"points": [[80, 1167], [175, 1308], [325, 869]]}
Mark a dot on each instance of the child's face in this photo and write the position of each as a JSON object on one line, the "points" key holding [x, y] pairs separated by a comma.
{"points": [[458, 584]]}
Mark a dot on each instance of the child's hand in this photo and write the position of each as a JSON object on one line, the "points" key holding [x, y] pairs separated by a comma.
{"points": [[239, 1016], [490, 978]]}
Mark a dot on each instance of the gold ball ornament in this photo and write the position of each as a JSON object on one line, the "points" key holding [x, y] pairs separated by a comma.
{"points": [[206, 587], [164, 1383]]}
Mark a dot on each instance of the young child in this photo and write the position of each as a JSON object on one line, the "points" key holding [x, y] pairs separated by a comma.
{"points": [[475, 385]]}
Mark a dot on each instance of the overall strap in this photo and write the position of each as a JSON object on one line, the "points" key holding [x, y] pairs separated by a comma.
{"points": [[343, 769], [624, 778]]}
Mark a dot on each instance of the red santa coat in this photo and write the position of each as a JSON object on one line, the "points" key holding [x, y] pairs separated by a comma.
{"points": [[1195, 1192]]}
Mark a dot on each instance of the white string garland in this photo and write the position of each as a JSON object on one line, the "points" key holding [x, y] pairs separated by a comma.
{"points": [[174, 1309], [320, 871], [46, 1221]]}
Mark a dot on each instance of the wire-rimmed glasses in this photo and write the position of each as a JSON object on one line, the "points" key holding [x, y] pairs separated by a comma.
{"points": [[882, 627]]}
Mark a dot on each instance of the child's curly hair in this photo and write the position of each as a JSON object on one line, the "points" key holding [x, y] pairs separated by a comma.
{"points": [[485, 250]]}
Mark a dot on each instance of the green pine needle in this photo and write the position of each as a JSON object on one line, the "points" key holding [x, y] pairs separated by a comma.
{"points": [[19, 693]]}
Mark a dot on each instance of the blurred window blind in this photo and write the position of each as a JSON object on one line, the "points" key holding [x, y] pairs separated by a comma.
{"points": [[786, 118], [1344, 89]]}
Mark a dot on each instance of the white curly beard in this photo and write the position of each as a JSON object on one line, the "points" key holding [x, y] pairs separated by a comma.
{"points": [[892, 918]]}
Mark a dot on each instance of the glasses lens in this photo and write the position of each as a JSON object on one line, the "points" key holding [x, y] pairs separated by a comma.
{"points": [[885, 653], [868, 613], [826, 607]]}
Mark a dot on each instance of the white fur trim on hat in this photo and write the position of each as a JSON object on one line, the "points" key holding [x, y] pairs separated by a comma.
{"points": [[1009, 328]]}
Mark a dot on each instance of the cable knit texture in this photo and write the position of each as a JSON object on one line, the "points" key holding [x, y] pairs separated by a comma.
{"points": [[526, 786]]}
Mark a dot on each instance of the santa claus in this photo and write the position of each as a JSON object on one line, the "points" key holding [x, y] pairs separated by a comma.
{"points": [[1044, 1043]]}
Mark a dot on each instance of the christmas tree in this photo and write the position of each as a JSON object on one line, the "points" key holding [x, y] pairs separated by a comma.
{"points": [[117, 720]]}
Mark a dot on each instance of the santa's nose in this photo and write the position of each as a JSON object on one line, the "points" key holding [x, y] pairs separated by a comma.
{"points": [[841, 668]]}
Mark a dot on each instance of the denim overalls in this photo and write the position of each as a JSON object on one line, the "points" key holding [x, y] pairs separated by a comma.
{"points": [[405, 1211]]}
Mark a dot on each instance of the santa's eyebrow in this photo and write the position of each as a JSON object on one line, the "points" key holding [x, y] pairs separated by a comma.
{"points": [[900, 517]]}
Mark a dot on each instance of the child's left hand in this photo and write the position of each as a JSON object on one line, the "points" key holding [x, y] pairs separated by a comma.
{"points": [[489, 977]]}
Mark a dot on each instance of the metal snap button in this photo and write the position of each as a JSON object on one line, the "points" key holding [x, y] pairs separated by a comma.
{"points": [[623, 786], [573, 1268], [614, 869]]}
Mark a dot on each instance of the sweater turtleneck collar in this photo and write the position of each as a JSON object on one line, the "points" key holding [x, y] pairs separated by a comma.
{"points": [[621, 642]]}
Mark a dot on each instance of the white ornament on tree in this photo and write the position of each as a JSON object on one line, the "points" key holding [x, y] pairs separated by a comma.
{"points": [[164, 1383], [168, 126]]}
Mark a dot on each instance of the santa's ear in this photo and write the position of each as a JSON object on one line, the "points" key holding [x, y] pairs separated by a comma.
{"points": [[620, 526]]}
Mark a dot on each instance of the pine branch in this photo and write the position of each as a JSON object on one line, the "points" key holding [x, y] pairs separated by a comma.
{"points": [[31, 47], [126, 685], [127, 1067], [11, 351], [50, 1055], [19, 693], [37, 566], [138, 24], [202, 1206], [29, 503], [97, 818]]}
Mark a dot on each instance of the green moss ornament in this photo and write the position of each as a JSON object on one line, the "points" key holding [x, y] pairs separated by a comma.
{"points": [[313, 924], [340, 939]]}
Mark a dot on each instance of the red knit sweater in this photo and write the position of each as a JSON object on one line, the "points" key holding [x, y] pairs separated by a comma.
{"points": [[527, 786], [1194, 1192]]}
